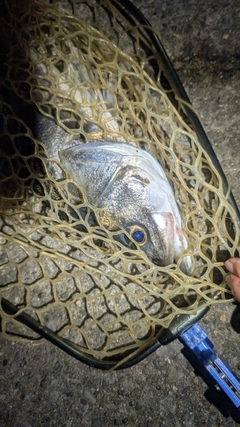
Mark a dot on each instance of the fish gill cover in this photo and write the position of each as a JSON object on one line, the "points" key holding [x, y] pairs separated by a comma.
{"points": [[67, 81]]}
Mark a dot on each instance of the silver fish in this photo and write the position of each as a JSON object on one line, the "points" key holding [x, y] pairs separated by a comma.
{"points": [[132, 188], [127, 182]]}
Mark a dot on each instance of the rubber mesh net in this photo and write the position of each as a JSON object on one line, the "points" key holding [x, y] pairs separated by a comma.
{"points": [[93, 79]]}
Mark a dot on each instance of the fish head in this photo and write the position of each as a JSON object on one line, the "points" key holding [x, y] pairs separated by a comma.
{"points": [[148, 212], [132, 190]]}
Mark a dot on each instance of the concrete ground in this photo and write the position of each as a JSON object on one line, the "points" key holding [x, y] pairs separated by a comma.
{"points": [[42, 386]]}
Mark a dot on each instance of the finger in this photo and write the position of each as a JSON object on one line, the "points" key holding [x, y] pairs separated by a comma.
{"points": [[233, 265], [234, 283]]}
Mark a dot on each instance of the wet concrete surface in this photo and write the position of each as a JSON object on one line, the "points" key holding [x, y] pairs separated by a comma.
{"points": [[41, 385]]}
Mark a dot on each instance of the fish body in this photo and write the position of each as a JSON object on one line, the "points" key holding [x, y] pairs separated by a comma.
{"points": [[132, 188], [125, 181]]}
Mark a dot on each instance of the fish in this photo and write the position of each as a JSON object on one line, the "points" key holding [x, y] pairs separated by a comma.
{"points": [[126, 182], [131, 187]]}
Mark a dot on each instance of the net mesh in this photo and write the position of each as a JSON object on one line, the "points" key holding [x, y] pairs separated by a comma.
{"points": [[92, 79]]}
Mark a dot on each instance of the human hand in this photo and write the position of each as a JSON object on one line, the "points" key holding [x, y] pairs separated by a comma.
{"points": [[233, 279]]}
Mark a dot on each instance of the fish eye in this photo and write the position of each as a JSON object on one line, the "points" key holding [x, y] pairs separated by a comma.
{"points": [[138, 234]]}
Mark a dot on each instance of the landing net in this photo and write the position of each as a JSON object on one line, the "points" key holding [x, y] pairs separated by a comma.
{"points": [[59, 262]]}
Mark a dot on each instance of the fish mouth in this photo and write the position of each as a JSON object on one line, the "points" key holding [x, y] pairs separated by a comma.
{"points": [[185, 265], [173, 242], [180, 247], [163, 241], [160, 262]]}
